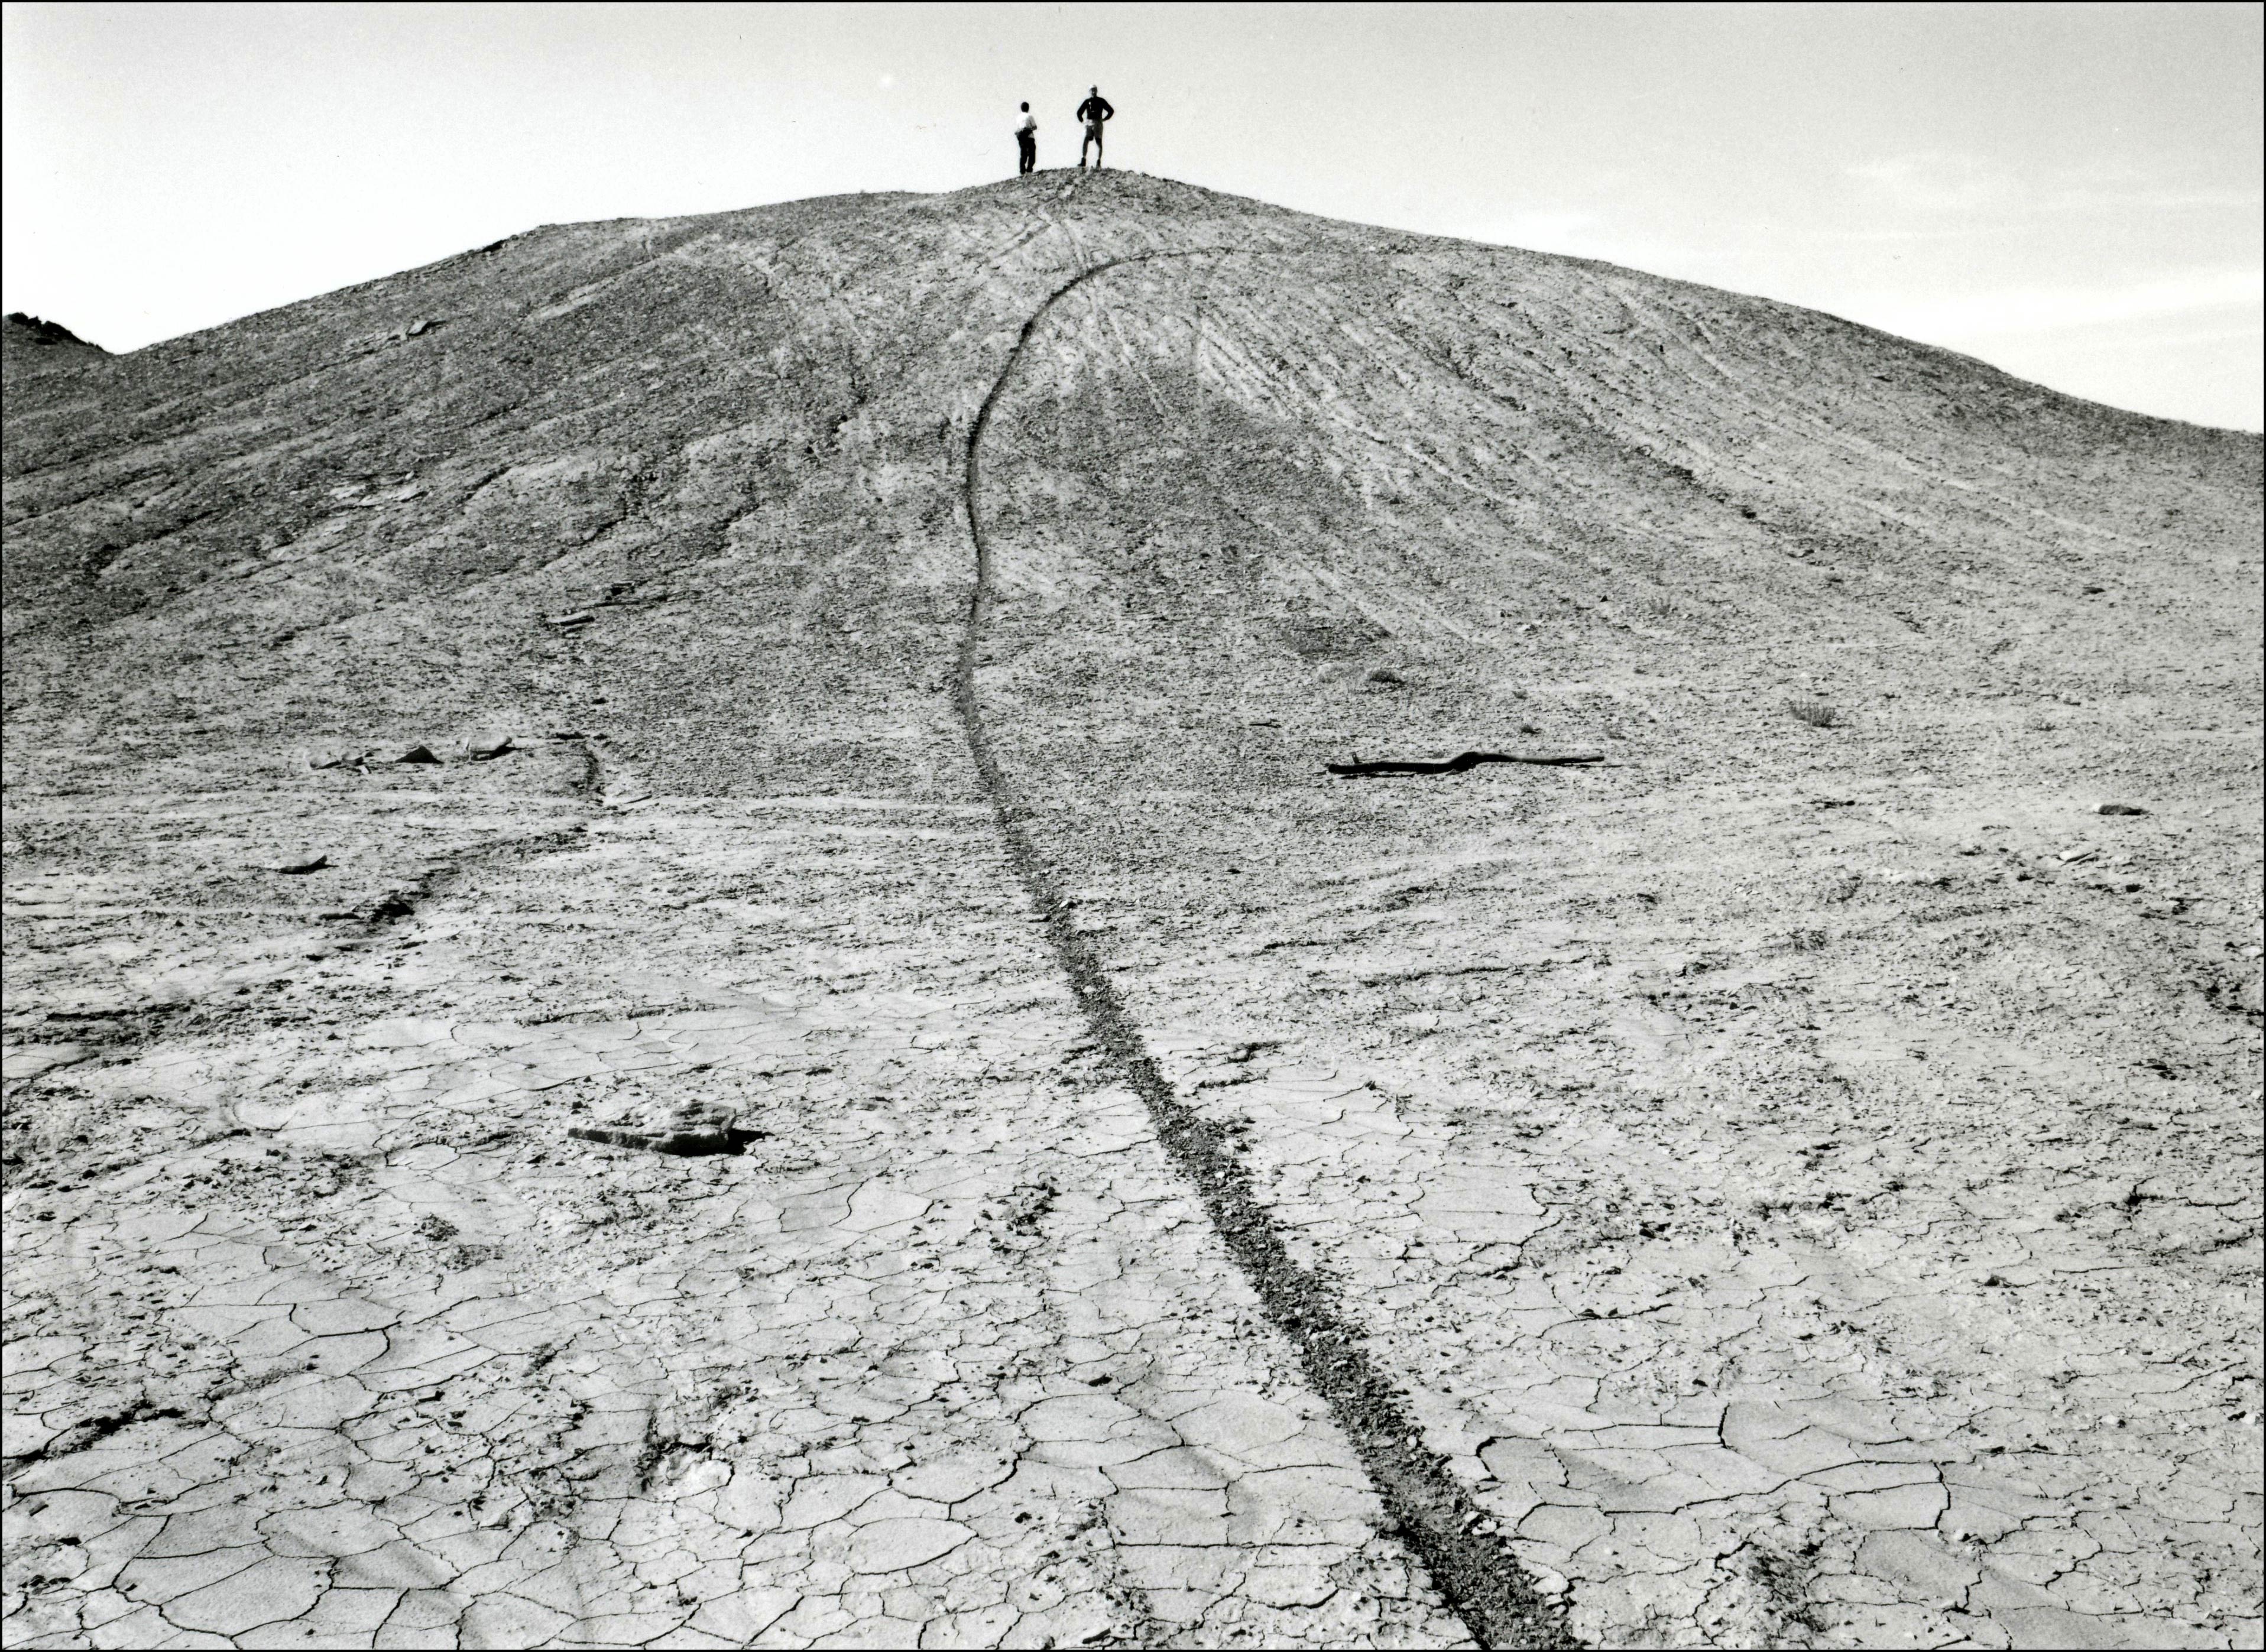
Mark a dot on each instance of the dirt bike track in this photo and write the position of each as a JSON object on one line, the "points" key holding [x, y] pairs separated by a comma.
{"points": [[1434, 1513]]}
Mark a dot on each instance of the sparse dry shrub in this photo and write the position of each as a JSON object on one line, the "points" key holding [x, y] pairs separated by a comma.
{"points": [[1817, 714], [1656, 606]]}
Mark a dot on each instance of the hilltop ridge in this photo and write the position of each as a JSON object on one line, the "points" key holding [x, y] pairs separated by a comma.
{"points": [[848, 688], [26, 341]]}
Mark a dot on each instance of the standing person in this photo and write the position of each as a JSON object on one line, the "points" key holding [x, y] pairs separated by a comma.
{"points": [[1026, 141], [1093, 112]]}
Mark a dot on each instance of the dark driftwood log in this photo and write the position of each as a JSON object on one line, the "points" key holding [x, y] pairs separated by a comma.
{"points": [[1457, 764], [681, 1143]]}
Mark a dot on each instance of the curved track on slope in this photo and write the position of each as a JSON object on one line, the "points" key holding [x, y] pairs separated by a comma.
{"points": [[1433, 1512]]}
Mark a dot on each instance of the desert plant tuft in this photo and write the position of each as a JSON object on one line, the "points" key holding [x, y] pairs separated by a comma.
{"points": [[1817, 714]]}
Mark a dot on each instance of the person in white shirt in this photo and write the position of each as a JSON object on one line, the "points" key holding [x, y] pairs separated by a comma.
{"points": [[1026, 141]]}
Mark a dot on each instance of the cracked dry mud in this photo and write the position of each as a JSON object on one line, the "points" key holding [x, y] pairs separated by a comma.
{"points": [[1796, 1184]]}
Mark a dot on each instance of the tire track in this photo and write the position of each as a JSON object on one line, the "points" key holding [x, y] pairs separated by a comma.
{"points": [[1432, 1511]]}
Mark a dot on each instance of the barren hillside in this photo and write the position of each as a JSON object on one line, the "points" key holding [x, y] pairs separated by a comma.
{"points": [[831, 703]]}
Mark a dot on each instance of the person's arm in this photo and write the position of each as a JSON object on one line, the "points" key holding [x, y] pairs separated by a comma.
{"points": [[1106, 111]]}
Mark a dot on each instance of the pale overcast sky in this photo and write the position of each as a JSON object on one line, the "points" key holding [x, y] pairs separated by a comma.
{"points": [[2072, 192]]}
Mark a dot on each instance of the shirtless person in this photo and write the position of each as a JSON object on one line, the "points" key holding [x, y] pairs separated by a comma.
{"points": [[1093, 112]]}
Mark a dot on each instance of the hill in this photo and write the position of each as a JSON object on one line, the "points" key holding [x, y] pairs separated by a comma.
{"points": [[682, 961], [29, 343]]}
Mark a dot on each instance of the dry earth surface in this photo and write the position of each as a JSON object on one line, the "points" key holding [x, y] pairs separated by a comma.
{"points": [[869, 1095]]}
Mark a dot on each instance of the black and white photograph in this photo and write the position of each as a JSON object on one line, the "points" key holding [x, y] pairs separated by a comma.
{"points": [[1253, 826]]}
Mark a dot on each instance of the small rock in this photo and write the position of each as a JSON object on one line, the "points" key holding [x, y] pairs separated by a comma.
{"points": [[612, 1136], [1387, 675], [486, 750], [2071, 857], [418, 754], [2120, 808], [569, 622], [301, 868]]}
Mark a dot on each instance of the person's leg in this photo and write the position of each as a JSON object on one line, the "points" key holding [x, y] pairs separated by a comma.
{"points": [[1097, 146]]}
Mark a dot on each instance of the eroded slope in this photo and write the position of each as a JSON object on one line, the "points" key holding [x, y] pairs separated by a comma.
{"points": [[1800, 1204], [1807, 1169]]}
